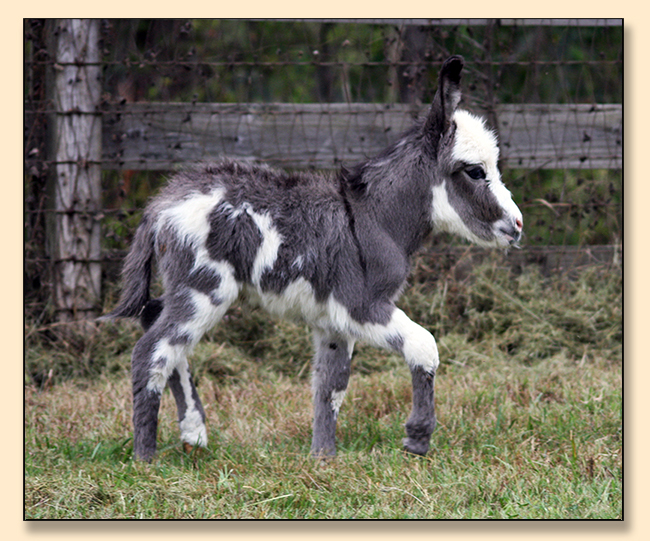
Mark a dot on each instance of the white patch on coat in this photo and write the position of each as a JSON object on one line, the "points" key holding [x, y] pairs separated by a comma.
{"points": [[229, 288], [336, 401], [192, 427], [476, 144], [165, 358], [297, 303], [446, 219], [504, 197], [189, 220], [419, 348], [206, 315], [189, 217], [268, 251]]}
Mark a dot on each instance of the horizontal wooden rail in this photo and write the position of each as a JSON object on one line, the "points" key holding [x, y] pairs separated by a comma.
{"points": [[164, 136]]}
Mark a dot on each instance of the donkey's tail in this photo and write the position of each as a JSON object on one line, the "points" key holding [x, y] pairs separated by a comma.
{"points": [[136, 274]]}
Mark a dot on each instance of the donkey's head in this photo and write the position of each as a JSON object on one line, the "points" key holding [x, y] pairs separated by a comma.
{"points": [[469, 198]]}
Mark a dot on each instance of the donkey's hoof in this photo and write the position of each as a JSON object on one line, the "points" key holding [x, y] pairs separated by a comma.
{"points": [[192, 449], [323, 457], [415, 447]]}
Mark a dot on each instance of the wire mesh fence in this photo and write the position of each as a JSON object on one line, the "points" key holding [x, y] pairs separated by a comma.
{"points": [[113, 106]]}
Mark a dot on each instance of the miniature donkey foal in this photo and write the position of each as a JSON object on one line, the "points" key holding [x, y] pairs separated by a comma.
{"points": [[330, 251]]}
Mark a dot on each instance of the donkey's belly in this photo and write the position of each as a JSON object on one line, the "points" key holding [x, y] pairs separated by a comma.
{"points": [[296, 303]]}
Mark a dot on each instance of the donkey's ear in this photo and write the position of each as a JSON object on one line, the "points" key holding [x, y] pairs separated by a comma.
{"points": [[446, 99]]}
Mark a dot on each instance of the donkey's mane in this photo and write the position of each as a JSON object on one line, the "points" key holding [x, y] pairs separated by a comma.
{"points": [[356, 177], [352, 178]]}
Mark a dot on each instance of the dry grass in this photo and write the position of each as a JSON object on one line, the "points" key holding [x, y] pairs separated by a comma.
{"points": [[529, 442], [529, 401]]}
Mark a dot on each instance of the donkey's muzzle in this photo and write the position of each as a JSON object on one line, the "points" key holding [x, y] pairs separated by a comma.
{"points": [[512, 231]]}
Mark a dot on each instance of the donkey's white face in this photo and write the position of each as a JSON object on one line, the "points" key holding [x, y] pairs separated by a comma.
{"points": [[472, 201]]}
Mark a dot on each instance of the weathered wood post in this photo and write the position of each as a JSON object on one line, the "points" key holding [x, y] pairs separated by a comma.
{"points": [[74, 154]]}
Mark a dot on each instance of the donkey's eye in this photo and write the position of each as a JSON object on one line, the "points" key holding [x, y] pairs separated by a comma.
{"points": [[476, 172]]}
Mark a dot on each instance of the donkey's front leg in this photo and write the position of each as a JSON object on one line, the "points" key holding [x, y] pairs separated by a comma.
{"points": [[418, 346], [331, 373], [419, 349], [422, 421]]}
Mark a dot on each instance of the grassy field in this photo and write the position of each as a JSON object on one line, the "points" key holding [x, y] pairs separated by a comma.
{"points": [[529, 402]]}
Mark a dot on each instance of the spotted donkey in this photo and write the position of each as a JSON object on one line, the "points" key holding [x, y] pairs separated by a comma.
{"points": [[330, 251]]}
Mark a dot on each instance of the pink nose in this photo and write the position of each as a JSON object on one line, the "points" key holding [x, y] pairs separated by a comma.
{"points": [[519, 224]]}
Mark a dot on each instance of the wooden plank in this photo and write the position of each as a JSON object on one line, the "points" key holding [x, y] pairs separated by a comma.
{"points": [[164, 136], [551, 136]]}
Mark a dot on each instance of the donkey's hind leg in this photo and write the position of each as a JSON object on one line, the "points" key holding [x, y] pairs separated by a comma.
{"points": [[161, 352], [147, 390], [191, 417], [331, 373]]}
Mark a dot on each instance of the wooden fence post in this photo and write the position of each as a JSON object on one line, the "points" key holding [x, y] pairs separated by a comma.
{"points": [[74, 154]]}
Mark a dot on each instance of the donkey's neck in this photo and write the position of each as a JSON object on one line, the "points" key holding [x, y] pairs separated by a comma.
{"points": [[396, 199], [405, 214]]}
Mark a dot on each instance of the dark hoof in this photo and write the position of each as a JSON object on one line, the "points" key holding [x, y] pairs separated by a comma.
{"points": [[323, 453], [146, 458], [323, 457], [415, 447], [144, 453]]}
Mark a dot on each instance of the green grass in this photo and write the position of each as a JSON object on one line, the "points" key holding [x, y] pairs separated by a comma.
{"points": [[528, 396]]}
